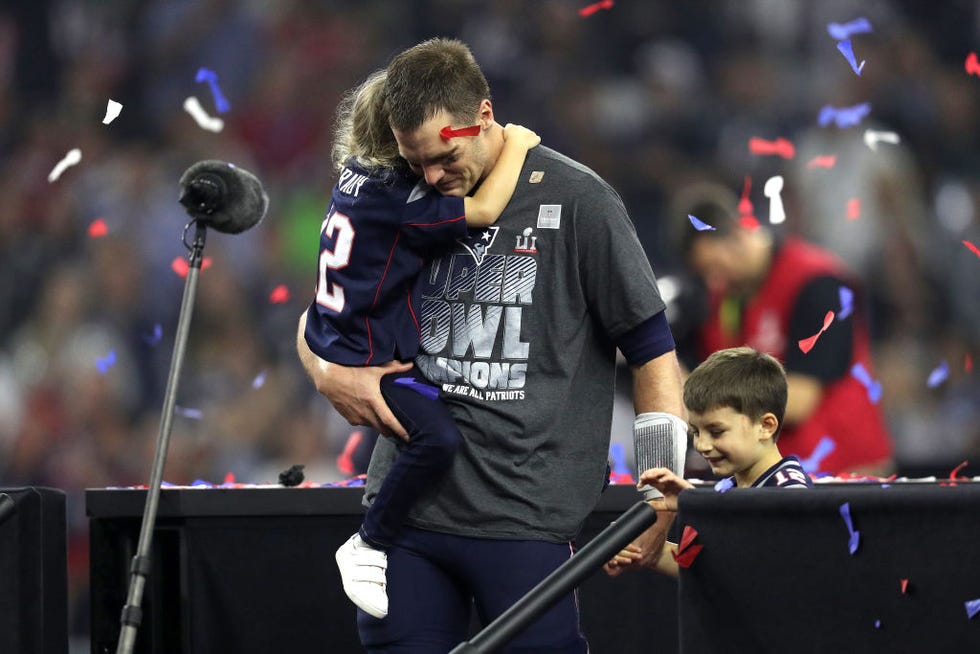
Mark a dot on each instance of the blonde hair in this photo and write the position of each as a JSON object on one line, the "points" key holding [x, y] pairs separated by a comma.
{"points": [[362, 130]]}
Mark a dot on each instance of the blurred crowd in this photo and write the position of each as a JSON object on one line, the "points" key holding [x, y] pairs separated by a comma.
{"points": [[657, 96]]}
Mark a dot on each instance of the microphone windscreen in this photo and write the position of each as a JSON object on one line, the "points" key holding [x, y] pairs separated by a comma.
{"points": [[223, 196]]}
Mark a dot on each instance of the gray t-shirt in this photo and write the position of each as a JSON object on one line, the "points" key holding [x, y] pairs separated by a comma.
{"points": [[518, 328]]}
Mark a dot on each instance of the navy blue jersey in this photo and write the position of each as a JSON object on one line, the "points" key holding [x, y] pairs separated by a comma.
{"points": [[788, 473], [380, 229]]}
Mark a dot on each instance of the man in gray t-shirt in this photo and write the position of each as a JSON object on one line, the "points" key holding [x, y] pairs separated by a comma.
{"points": [[519, 328]]}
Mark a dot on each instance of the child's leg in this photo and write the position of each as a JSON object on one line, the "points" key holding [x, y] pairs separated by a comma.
{"points": [[433, 440]]}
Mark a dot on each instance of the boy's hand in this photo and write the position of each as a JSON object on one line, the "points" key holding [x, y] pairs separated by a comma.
{"points": [[665, 481], [520, 135]]}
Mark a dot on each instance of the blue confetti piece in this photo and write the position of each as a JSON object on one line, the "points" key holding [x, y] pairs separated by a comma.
{"points": [[211, 77], [846, 302], [154, 338], [877, 624], [259, 380], [859, 372], [843, 117], [617, 454], [426, 390], [848, 52], [938, 375], [193, 414], [811, 464], [841, 31], [724, 485], [854, 536], [201, 483], [972, 608], [106, 362], [699, 225]]}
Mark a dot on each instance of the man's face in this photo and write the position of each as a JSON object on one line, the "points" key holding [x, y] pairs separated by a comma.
{"points": [[453, 166], [719, 261]]}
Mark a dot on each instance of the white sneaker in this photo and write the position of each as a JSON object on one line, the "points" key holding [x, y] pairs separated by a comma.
{"points": [[362, 569]]}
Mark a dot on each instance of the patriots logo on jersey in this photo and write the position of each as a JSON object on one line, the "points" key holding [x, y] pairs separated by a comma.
{"points": [[478, 241]]}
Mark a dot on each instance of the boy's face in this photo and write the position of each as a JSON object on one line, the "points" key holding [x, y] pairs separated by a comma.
{"points": [[452, 166], [732, 443]]}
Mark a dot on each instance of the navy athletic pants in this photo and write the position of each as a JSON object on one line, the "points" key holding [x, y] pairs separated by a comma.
{"points": [[434, 580], [433, 441]]}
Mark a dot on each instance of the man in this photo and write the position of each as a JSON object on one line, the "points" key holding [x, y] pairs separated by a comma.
{"points": [[770, 293], [519, 326]]}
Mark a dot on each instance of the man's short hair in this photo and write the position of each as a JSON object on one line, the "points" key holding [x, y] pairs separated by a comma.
{"points": [[434, 75], [749, 382]]}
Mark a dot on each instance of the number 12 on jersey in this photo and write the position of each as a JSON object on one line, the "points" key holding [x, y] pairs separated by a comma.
{"points": [[328, 294]]}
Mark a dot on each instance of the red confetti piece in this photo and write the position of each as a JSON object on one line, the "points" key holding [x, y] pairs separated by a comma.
{"points": [[686, 558], [972, 247], [448, 132], [823, 161], [972, 65], [749, 222], [181, 266], [954, 473], [780, 146], [905, 586], [744, 203], [279, 295], [230, 478], [345, 462], [807, 343], [854, 208], [687, 537], [594, 7], [98, 228]]}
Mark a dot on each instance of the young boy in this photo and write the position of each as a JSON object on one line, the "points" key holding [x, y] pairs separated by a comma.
{"points": [[383, 223], [735, 401]]}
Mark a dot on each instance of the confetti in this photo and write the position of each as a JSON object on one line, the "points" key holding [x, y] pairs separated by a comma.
{"points": [[73, 157], [972, 65], [154, 338], [824, 447], [973, 248], [193, 414], [423, 389], [972, 607], [772, 188], [448, 132], [872, 137], [822, 161], [193, 106], [843, 116], [904, 585], [686, 552], [259, 380], [279, 295], [854, 208], [106, 362], [345, 461], [747, 220], [594, 7], [860, 373], [954, 473], [841, 31], [846, 302], [699, 225], [877, 624], [97, 228], [938, 375], [854, 537], [848, 52], [807, 343], [181, 266], [780, 146], [211, 77], [112, 110], [724, 485]]}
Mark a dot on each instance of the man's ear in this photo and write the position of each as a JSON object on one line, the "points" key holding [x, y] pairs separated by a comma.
{"points": [[768, 423], [485, 114]]}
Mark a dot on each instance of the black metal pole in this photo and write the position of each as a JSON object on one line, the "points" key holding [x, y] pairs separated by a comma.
{"points": [[560, 582], [132, 614]]}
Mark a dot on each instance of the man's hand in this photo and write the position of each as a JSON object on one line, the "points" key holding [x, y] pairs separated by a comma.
{"points": [[355, 392], [644, 552], [665, 481]]}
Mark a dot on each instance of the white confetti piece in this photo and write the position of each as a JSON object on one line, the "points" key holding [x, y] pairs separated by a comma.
{"points": [[73, 157], [772, 189], [193, 106], [112, 110]]}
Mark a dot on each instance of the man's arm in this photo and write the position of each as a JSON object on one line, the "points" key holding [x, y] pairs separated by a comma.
{"points": [[355, 392]]}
